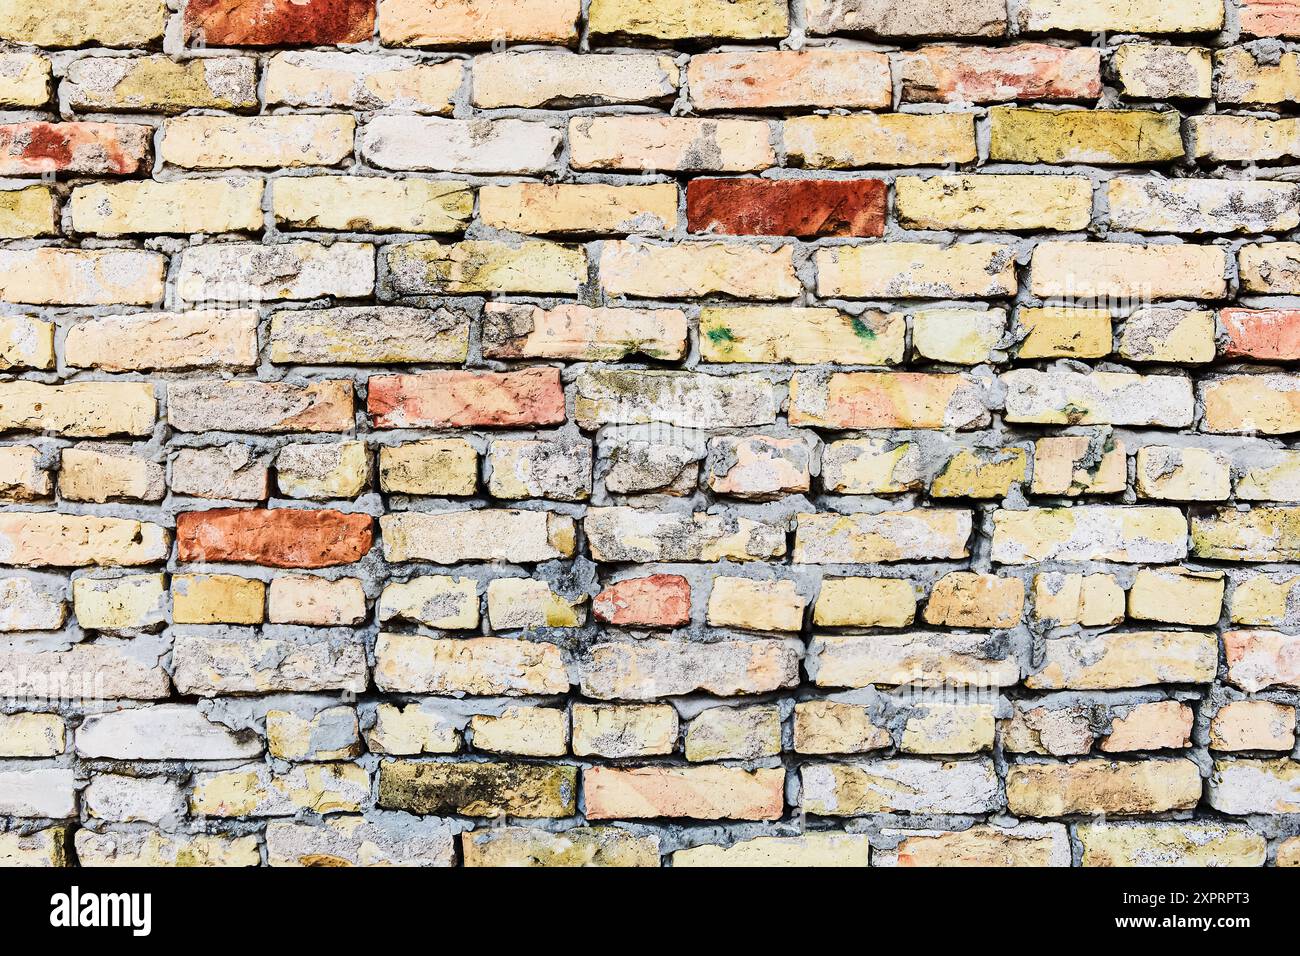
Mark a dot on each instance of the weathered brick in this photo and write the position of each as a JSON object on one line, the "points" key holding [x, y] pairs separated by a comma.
{"points": [[634, 730], [119, 604], [547, 78], [479, 789], [872, 466], [347, 840], [185, 206], [102, 670], [699, 793], [411, 730], [919, 659], [803, 336], [1158, 725], [1064, 397], [163, 732], [153, 848], [1121, 16], [229, 472], [1027, 71], [28, 605], [678, 144], [1157, 72], [379, 335], [1226, 138], [812, 77], [1241, 787], [1244, 78], [371, 204], [1133, 659], [306, 599], [1268, 403], [74, 23], [203, 338], [540, 209], [1147, 204], [232, 661], [160, 84], [1273, 268], [1076, 465], [1099, 137], [32, 735], [1157, 334], [820, 849], [460, 398], [432, 467], [1269, 18], [886, 400], [272, 22], [904, 785], [278, 538], [687, 399], [1260, 534], [478, 146], [579, 846], [698, 270], [981, 473], [1094, 786], [865, 602], [1127, 271], [570, 331], [1025, 844], [916, 270], [1207, 843], [50, 276], [1176, 596], [959, 336], [653, 668], [981, 18], [965, 599], [22, 475], [917, 535], [1064, 332], [689, 19], [362, 81], [807, 208], [885, 139], [484, 265], [829, 727], [435, 600], [323, 471], [246, 272], [1089, 533], [557, 468], [99, 149], [244, 405], [28, 212], [657, 600], [515, 603], [26, 342], [105, 472], [24, 79], [43, 848], [525, 731], [272, 142], [1259, 659], [259, 791], [216, 599], [1253, 725], [1269, 334]]}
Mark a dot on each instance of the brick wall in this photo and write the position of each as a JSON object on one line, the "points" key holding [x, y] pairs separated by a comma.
{"points": [[691, 432]]}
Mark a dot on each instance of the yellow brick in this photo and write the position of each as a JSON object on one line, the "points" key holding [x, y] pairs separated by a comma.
{"points": [[872, 466], [690, 19], [579, 209], [1099, 786], [885, 139], [1267, 403], [481, 265], [24, 79], [1130, 659], [819, 849], [28, 212], [114, 604], [1089, 533], [161, 84], [916, 270], [1064, 333], [1168, 335], [808, 336], [1183, 843], [1120, 137], [524, 603], [102, 472], [1122, 16], [527, 731], [73, 23], [217, 599], [1076, 465], [435, 600], [623, 730], [32, 735], [372, 203], [756, 605], [734, 733], [865, 602], [965, 599], [981, 473], [1127, 271], [829, 727], [939, 728], [49, 276], [1183, 474], [959, 336], [698, 269], [79, 409], [26, 342]]}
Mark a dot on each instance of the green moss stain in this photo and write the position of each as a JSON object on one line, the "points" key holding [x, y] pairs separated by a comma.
{"points": [[862, 330]]}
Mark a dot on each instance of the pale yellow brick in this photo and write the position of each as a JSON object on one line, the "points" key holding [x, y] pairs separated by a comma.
{"points": [[1195, 843], [317, 78], [1225, 138], [153, 848], [79, 409], [372, 203], [690, 19], [698, 269], [216, 599], [756, 605], [578, 846], [485, 266], [1127, 270], [819, 849], [28, 212], [1089, 533], [203, 338], [1121, 16], [335, 470], [221, 142], [993, 202], [831, 727], [26, 342], [32, 735], [329, 734], [1157, 725], [571, 331], [580, 209], [1261, 600], [261, 791], [1102, 787], [1183, 474], [551, 78], [57, 540], [1066, 396], [1024, 845], [526, 731], [23, 477], [1246, 79], [528, 603], [1157, 72], [434, 600], [1093, 600], [1168, 335], [885, 139], [872, 466], [734, 733], [958, 336], [865, 602], [116, 604], [966, 599], [917, 659], [161, 84], [981, 473], [1079, 465], [1130, 659], [942, 728], [412, 729], [916, 270], [919, 534], [306, 599], [49, 276], [624, 730], [24, 79], [74, 23]]}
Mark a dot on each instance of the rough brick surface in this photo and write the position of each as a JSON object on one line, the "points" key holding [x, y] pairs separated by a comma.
{"points": [[625, 433]]}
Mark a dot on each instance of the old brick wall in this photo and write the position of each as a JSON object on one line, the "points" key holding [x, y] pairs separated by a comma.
{"points": [[678, 432]]}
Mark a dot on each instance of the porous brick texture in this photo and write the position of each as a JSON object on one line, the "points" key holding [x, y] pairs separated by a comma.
{"points": [[674, 433]]}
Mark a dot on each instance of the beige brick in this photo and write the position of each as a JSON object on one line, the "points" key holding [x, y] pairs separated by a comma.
{"points": [[476, 666], [487, 535], [941, 728], [430, 467], [698, 269], [412, 729], [1191, 843], [865, 602], [1275, 481], [579, 209], [204, 338], [820, 849], [687, 399], [526, 731], [1253, 725], [26, 342], [525, 603], [138, 848], [1157, 72], [916, 535], [1119, 270], [1241, 787], [1079, 465], [994, 202], [1093, 600], [887, 400], [1148, 204], [1176, 596], [1168, 335], [690, 19], [347, 840], [1225, 138], [68, 541], [73, 23], [1260, 599], [1158, 725], [371, 204], [886, 139], [49, 276], [871, 466], [435, 600], [1130, 659], [32, 735], [362, 81], [1061, 731], [1024, 845], [262, 792], [43, 848], [1065, 397], [811, 77], [160, 84], [328, 734], [1121, 16], [23, 476], [216, 599], [547, 78], [246, 272], [28, 212], [1064, 332], [379, 335], [917, 659], [319, 602], [916, 270], [111, 670], [485, 266], [734, 733], [338, 470], [570, 331], [222, 142], [1272, 268], [959, 336], [1268, 403], [240, 662], [616, 730], [979, 18], [1244, 79], [803, 336], [677, 144], [79, 409], [229, 471], [244, 405], [102, 472], [699, 793], [1095, 786]]}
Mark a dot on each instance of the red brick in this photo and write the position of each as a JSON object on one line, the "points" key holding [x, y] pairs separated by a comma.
{"points": [[280, 538], [274, 22], [1028, 71], [533, 396], [1262, 333], [1270, 18], [660, 600], [94, 148], [786, 207]]}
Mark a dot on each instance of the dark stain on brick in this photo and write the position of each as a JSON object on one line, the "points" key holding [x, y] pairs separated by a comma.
{"points": [[479, 789], [278, 22], [786, 207]]}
